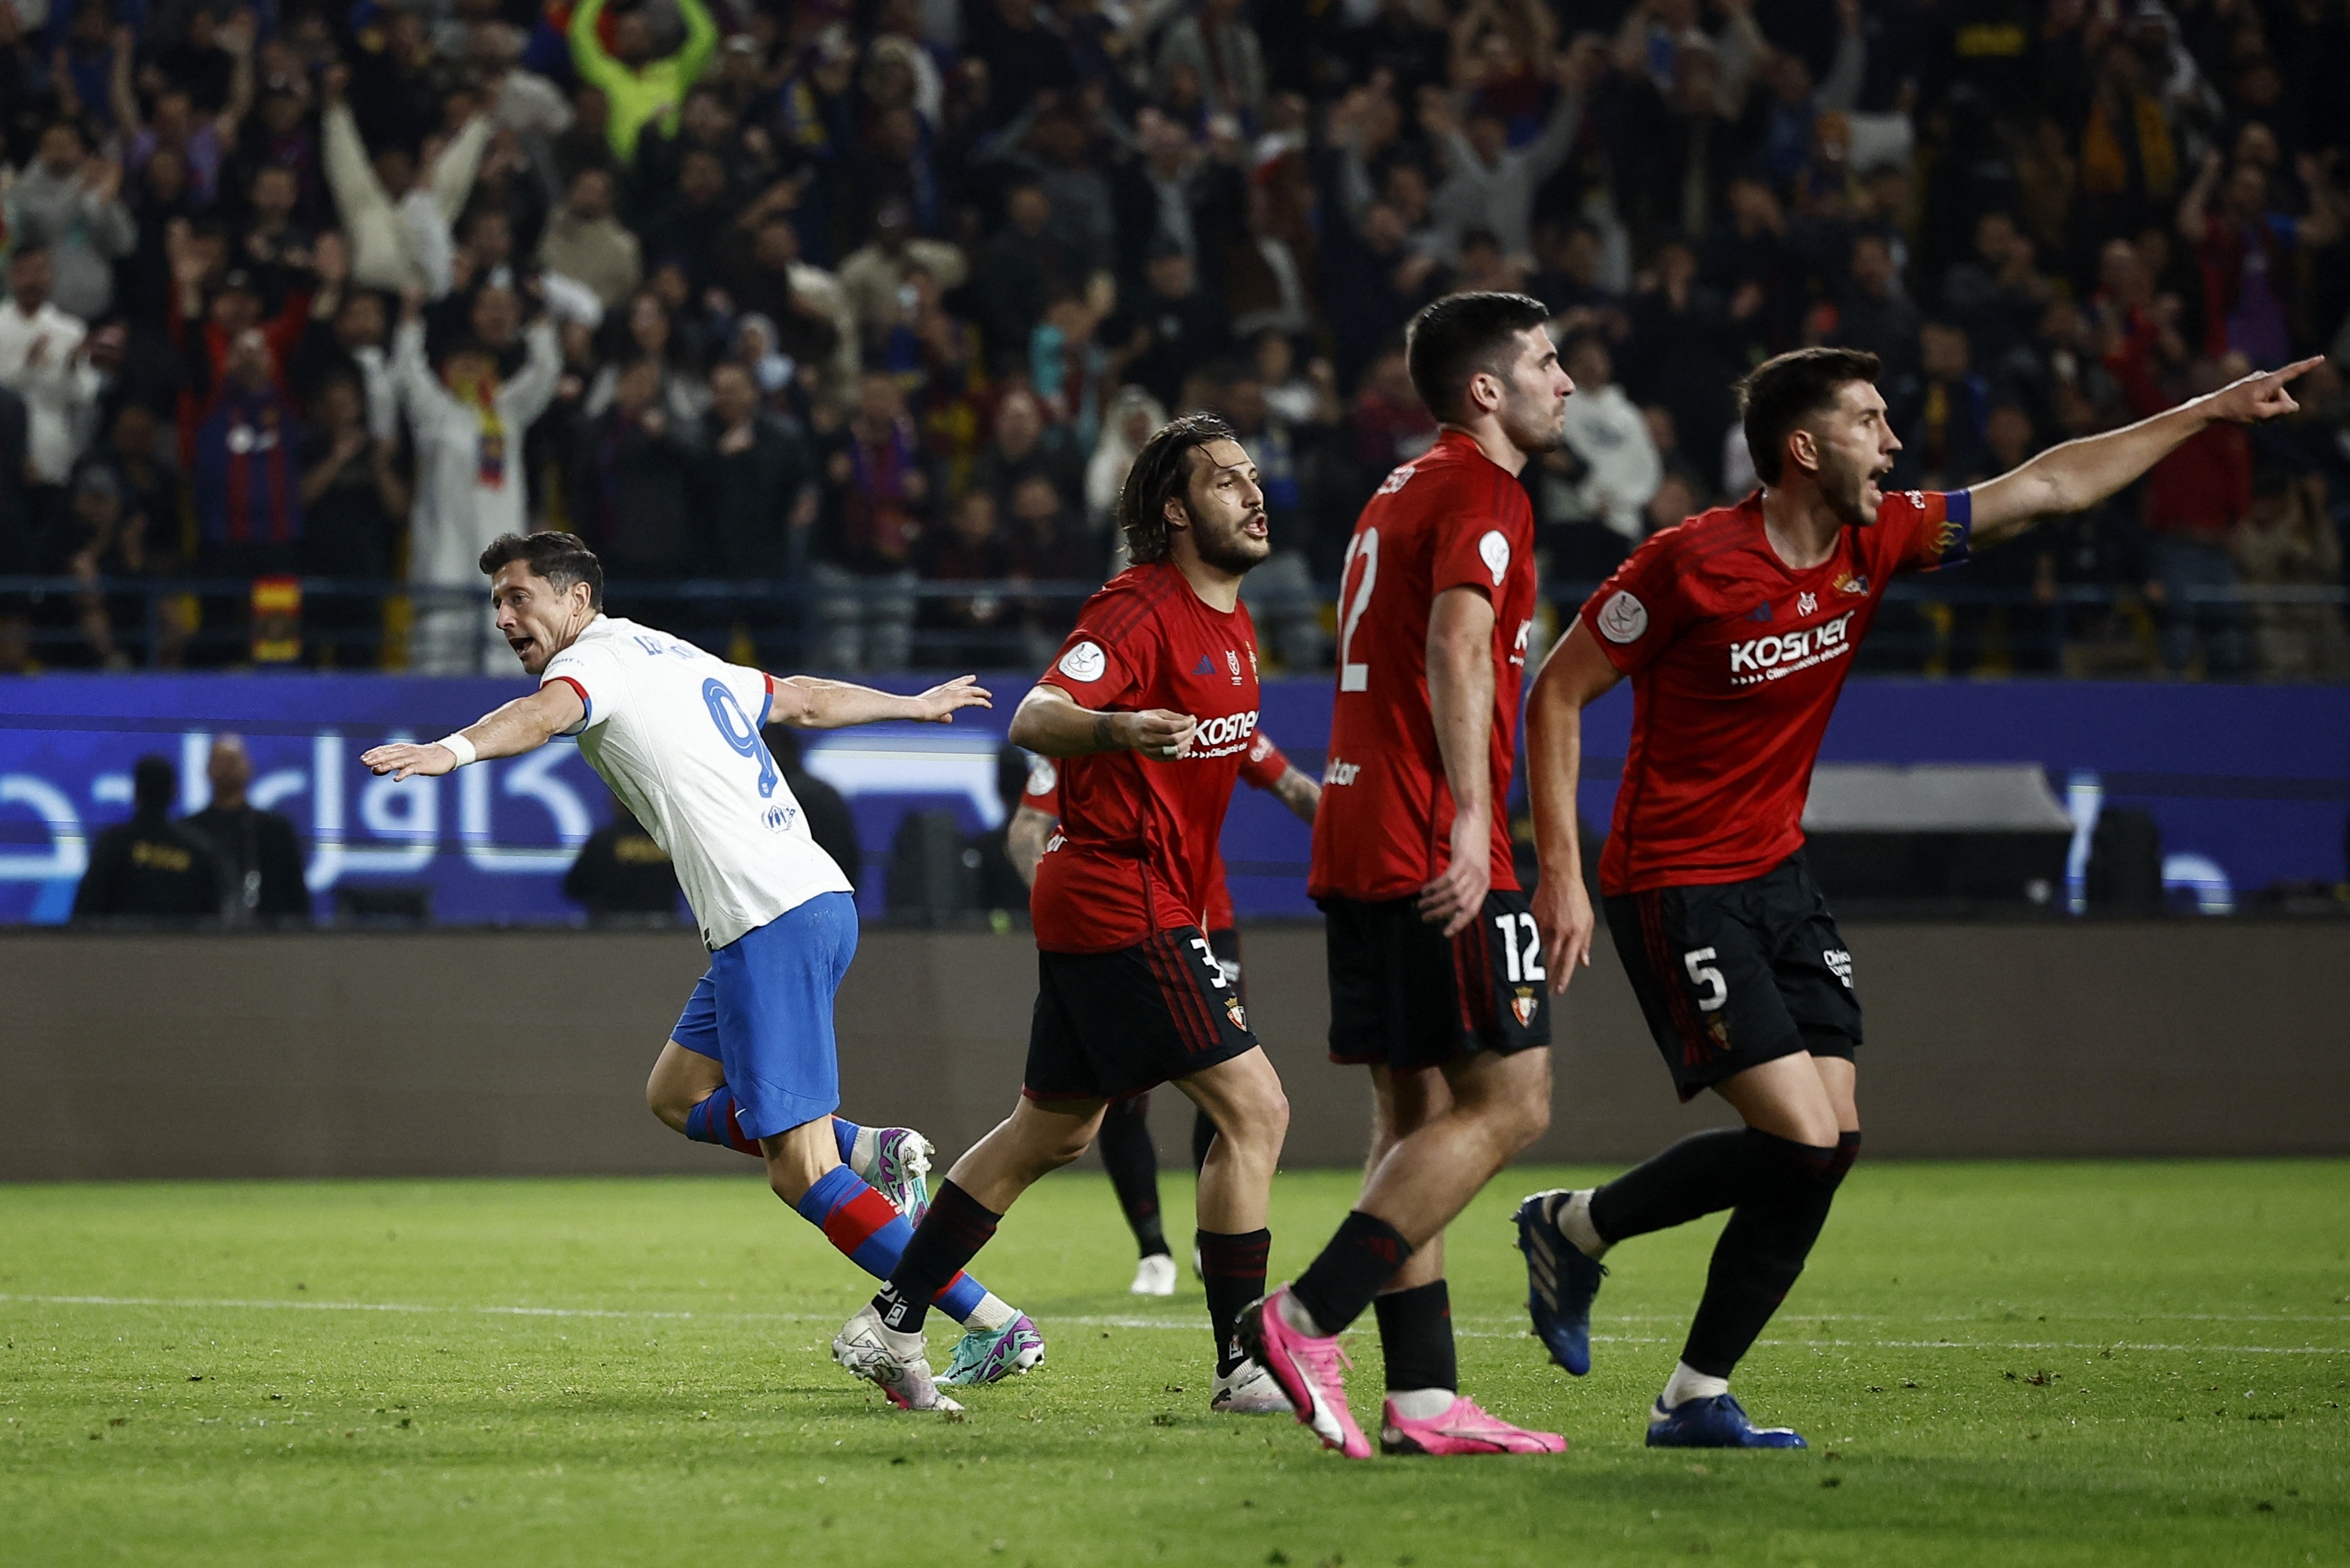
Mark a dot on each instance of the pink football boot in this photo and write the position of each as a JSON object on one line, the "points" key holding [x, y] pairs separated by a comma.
{"points": [[1462, 1429], [1311, 1371]]}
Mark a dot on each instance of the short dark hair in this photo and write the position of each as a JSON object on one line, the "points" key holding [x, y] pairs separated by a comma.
{"points": [[1161, 473], [153, 782], [1454, 338], [1777, 396], [561, 558]]}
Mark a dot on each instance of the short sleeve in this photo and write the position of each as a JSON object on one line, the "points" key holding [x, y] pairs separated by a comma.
{"points": [[593, 673], [1476, 556], [1262, 764], [1637, 611], [1043, 790], [1091, 669], [1920, 531]]}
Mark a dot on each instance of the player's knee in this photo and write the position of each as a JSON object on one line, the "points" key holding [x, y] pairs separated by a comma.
{"points": [[667, 1102]]}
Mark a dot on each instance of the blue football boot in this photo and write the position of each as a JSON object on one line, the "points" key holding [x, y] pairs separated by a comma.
{"points": [[1719, 1422], [1562, 1281]]}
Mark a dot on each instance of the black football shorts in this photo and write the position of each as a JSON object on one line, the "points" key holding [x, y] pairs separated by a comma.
{"points": [[1117, 1023], [1738, 973], [1405, 996]]}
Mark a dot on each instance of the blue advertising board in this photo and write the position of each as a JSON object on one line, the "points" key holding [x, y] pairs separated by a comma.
{"points": [[2250, 782]]}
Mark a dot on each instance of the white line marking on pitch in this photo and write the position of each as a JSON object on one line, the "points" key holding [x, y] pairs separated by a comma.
{"points": [[186, 1304]]}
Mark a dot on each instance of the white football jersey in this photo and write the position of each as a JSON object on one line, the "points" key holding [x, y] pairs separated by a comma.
{"points": [[675, 732]]}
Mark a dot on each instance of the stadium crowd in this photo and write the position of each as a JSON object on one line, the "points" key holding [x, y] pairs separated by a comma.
{"points": [[856, 313]]}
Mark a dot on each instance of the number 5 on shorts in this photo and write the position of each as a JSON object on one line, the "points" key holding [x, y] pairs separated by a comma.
{"points": [[1702, 972]]}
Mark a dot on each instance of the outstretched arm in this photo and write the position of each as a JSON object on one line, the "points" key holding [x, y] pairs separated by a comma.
{"points": [[2080, 473], [806, 703], [522, 725], [1575, 675]]}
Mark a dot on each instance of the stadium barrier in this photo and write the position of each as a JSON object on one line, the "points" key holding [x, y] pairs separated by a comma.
{"points": [[485, 1054]]}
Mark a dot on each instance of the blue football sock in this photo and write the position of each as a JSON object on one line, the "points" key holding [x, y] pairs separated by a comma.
{"points": [[867, 1228], [843, 1134], [714, 1121]]}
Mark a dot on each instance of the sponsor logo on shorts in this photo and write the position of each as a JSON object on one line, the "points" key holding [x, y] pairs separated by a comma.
{"points": [[1494, 551], [1339, 772], [1764, 658], [1085, 662], [1623, 618], [1840, 962], [1524, 1006]]}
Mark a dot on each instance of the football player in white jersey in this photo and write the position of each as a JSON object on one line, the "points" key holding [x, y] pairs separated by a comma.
{"points": [[751, 1065]]}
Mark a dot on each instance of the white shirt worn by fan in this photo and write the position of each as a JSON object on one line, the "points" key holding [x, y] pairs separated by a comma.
{"points": [[675, 732]]}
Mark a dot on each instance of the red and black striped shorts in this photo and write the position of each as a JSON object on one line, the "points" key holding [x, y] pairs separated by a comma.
{"points": [[1405, 996], [1113, 1024]]}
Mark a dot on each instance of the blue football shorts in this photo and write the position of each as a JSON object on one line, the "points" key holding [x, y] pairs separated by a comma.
{"points": [[764, 1012]]}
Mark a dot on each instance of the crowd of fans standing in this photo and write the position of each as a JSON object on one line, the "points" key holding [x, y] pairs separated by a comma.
{"points": [[846, 306]]}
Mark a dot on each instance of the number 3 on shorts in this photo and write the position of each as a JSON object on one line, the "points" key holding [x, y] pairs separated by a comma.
{"points": [[1702, 972], [1208, 956]]}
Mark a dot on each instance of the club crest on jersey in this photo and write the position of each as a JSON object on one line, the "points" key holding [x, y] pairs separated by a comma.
{"points": [[1805, 604], [1849, 584], [1494, 551], [1398, 480], [1522, 1006], [1085, 662], [1623, 618], [1232, 660]]}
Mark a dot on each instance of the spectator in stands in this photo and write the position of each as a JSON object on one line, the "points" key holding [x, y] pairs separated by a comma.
{"points": [[639, 87], [247, 473], [1873, 314], [1280, 591], [1023, 267], [1942, 415], [2195, 499], [633, 484], [1132, 416], [879, 492], [1488, 184], [395, 215], [468, 423], [756, 491], [259, 858], [1217, 49], [20, 535], [829, 819], [105, 535], [2288, 542], [45, 359], [1595, 489], [150, 868], [72, 202], [585, 242], [1174, 328], [1024, 447], [2246, 251], [620, 876], [980, 629], [354, 500]]}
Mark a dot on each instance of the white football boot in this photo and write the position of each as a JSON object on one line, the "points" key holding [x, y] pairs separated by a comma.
{"points": [[891, 1361], [1154, 1276], [1249, 1390]]}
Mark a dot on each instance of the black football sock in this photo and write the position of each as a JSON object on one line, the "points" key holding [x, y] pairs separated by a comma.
{"points": [[1132, 1161], [1203, 1133], [1789, 1186], [1416, 1337], [1232, 1268], [1702, 1174], [1364, 1255], [949, 1236]]}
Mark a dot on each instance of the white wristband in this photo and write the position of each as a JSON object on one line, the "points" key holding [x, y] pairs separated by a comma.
{"points": [[459, 747]]}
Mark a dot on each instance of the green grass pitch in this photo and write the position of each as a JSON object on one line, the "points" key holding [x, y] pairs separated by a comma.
{"points": [[2009, 1364]]}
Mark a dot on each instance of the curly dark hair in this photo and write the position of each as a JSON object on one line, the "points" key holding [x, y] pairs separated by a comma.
{"points": [[1162, 473]]}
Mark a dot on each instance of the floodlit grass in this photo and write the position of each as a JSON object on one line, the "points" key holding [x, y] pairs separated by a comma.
{"points": [[2010, 1363]]}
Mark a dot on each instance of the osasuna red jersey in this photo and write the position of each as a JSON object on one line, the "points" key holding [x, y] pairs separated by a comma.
{"points": [[1449, 518], [1137, 844], [1735, 662], [1261, 766]]}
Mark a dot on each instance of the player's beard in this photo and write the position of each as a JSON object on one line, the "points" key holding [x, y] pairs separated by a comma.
{"points": [[1533, 424], [1226, 548], [1844, 485]]}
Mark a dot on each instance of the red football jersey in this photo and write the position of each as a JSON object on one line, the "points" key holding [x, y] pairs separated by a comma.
{"points": [[1138, 838], [1261, 766], [1735, 663], [1449, 518]]}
